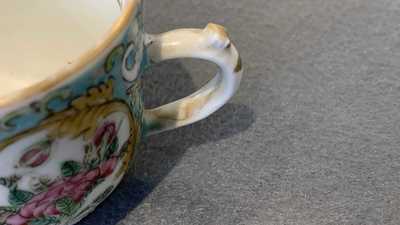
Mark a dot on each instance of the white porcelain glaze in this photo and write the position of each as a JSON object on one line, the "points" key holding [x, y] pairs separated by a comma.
{"points": [[212, 44]]}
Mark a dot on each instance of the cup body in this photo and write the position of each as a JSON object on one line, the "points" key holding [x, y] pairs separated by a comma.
{"points": [[63, 150]]}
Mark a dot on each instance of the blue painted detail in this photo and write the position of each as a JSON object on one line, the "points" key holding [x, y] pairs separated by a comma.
{"points": [[130, 60]]}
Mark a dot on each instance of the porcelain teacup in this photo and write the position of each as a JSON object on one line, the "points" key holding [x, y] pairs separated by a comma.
{"points": [[67, 140]]}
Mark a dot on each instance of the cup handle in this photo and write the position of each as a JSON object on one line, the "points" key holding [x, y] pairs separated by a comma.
{"points": [[212, 44]]}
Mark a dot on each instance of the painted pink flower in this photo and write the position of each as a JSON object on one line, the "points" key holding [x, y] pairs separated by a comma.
{"points": [[16, 220], [84, 186], [77, 178], [69, 187], [75, 188], [38, 197], [92, 175], [27, 210], [78, 195], [51, 210], [34, 157], [107, 132], [40, 208], [54, 192], [107, 167]]}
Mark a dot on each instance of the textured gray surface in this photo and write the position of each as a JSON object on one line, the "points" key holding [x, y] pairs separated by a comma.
{"points": [[312, 138]]}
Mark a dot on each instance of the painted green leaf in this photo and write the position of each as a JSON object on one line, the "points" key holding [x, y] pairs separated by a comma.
{"points": [[114, 145], [70, 168], [19, 197], [67, 206], [9, 182], [11, 209], [112, 148], [4, 181], [45, 221], [115, 56], [91, 159], [6, 211]]}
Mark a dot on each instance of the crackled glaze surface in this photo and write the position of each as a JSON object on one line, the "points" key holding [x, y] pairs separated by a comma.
{"points": [[63, 154]]}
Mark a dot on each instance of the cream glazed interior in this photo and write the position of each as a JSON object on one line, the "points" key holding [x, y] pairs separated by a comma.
{"points": [[44, 36]]}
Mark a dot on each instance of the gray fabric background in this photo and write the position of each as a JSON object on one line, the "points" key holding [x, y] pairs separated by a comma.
{"points": [[312, 138]]}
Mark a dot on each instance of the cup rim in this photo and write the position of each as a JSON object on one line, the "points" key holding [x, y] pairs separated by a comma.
{"points": [[88, 57]]}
